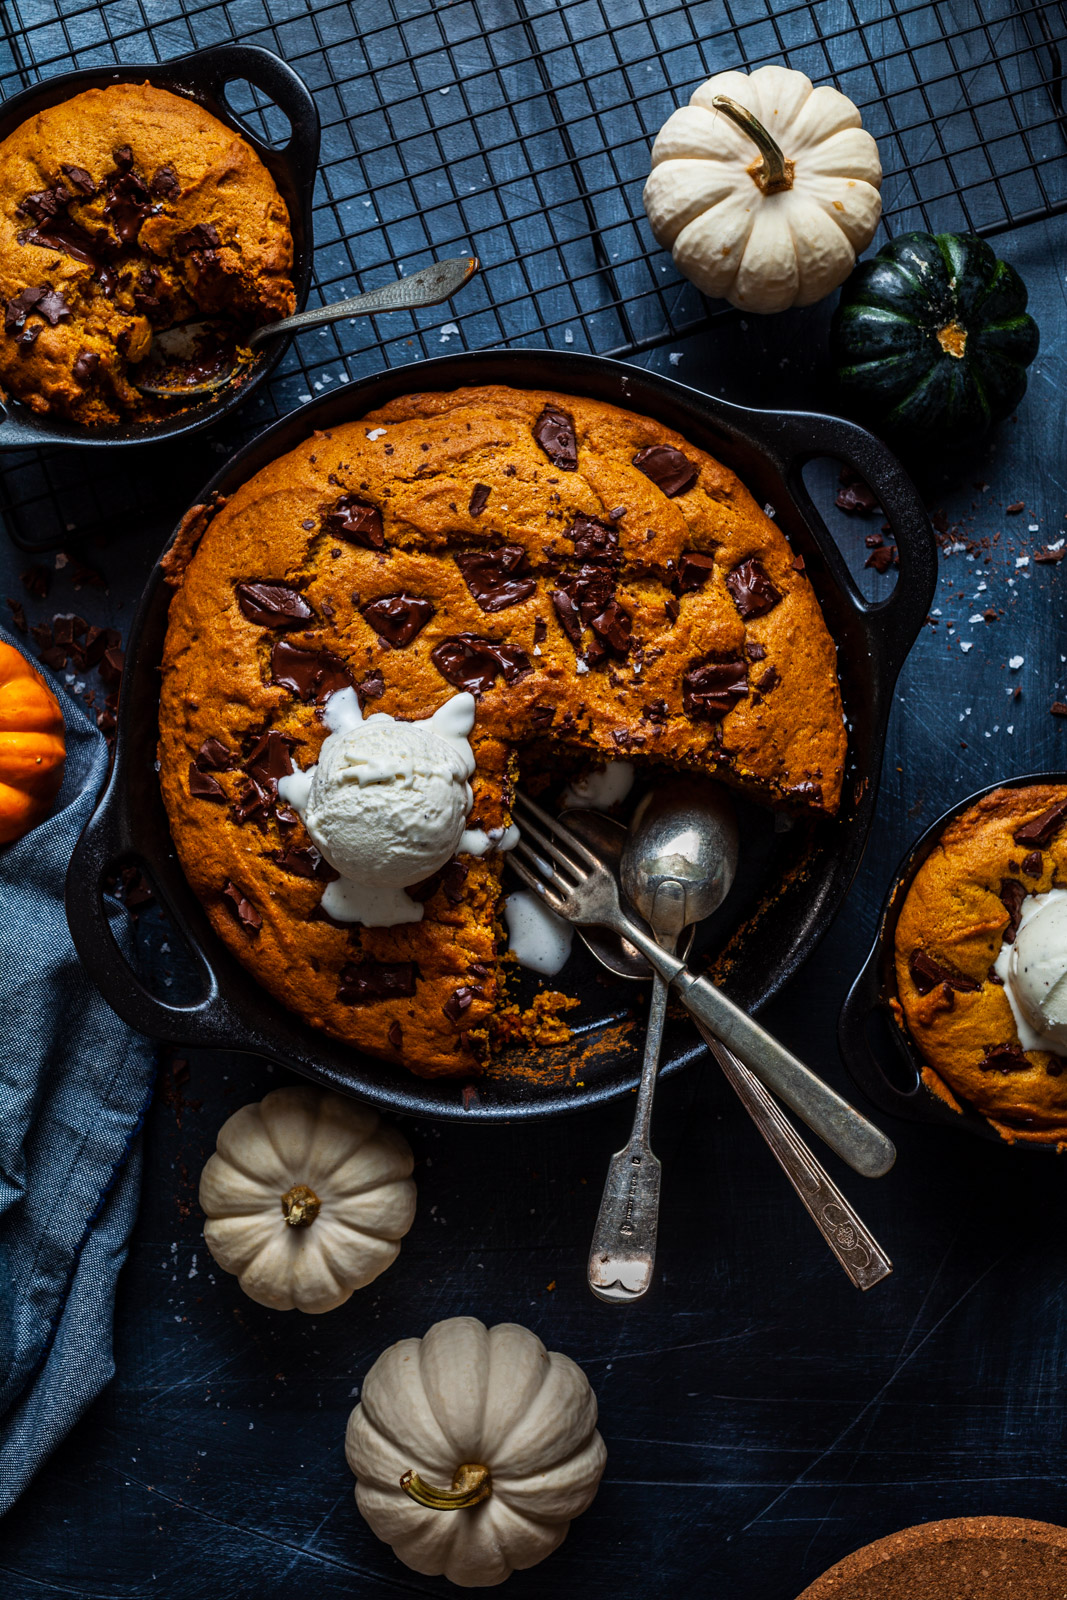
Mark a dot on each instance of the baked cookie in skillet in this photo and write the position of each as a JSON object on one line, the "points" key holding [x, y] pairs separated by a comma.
{"points": [[594, 580]]}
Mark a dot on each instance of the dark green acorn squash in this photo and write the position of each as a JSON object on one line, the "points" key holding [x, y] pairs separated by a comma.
{"points": [[931, 339]]}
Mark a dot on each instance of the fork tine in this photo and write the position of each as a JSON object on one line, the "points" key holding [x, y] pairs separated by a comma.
{"points": [[531, 830], [560, 830], [532, 881]]}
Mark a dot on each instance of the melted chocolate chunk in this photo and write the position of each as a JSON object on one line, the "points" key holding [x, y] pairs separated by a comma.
{"points": [[542, 717], [375, 980], [711, 690], [165, 183], [1032, 864], [253, 803], [397, 618], [460, 1001], [395, 1035], [53, 229], [310, 674], [926, 974], [1012, 893], [127, 206], [694, 570], [479, 499], [1040, 831], [471, 663], [753, 592], [122, 157], [613, 628], [80, 180], [554, 432], [593, 540], [19, 307], [203, 785], [450, 879], [304, 861], [269, 759], [587, 593], [1004, 1058], [372, 687], [272, 605], [52, 307], [497, 578], [205, 236], [243, 909], [357, 521], [85, 366], [668, 468], [540, 630], [213, 756]]}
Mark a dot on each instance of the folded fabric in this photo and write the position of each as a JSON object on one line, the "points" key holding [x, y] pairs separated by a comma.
{"points": [[74, 1086]]}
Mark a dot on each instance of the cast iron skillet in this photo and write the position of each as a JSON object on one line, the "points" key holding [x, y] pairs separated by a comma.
{"points": [[889, 1069], [202, 77], [768, 450]]}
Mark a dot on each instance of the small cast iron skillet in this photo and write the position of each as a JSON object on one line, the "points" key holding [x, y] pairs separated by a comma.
{"points": [[767, 450], [202, 77], [878, 1051]]}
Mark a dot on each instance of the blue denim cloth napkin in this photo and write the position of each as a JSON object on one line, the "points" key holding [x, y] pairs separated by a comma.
{"points": [[74, 1086]]}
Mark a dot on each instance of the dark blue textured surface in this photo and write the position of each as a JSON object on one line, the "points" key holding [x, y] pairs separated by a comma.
{"points": [[761, 1417]]}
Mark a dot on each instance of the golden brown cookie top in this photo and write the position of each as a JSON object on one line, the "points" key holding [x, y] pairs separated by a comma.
{"points": [[125, 210]]}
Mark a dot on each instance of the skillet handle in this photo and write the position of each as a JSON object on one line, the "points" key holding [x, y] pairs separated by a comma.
{"points": [[219, 65], [104, 846], [865, 1062], [801, 438]]}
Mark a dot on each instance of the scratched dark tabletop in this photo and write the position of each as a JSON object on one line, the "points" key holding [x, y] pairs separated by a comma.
{"points": [[762, 1418]]}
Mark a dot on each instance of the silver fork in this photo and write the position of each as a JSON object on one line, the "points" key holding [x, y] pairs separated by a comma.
{"points": [[575, 884]]}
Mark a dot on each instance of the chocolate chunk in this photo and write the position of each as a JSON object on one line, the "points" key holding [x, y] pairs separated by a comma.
{"points": [[213, 756], [52, 307], [112, 662], [540, 630], [1012, 893], [253, 803], [1040, 831], [1004, 1058], [243, 909], [122, 157], [554, 432], [471, 663], [18, 614], [304, 861], [590, 590], [753, 592], [36, 580], [108, 279], [855, 496], [1032, 864], [165, 182], [45, 300], [713, 689], [542, 717], [357, 521], [272, 605], [396, 1036], [203, 785], [497, 578], [613, 628], [310, 674], [204, 236], [397, 618], [127, 206], [694, 570], [451, 879], [375, 980], [270, 759], [85, 366], [810, 793], [567, 612], [80, 180], [668, 468], [593, 540], [28, 337], [372, 687], [881, 559], [479, 499], [460, 1001], [656, 712], [673, 610], [770, 680], [53, 229], [755, 651], [926, 974]]}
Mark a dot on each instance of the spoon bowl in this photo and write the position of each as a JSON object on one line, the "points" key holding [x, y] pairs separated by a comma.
{"points": [[684, 833]]}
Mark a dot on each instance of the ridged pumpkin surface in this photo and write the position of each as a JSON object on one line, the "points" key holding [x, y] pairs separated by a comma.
{"points": [[32, 746]]}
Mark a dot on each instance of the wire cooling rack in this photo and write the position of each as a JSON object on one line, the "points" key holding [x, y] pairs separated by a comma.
{"points": [[519, 130]]}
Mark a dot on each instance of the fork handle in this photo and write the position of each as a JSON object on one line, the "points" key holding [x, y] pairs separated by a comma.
{"points": [[866, 1148]]}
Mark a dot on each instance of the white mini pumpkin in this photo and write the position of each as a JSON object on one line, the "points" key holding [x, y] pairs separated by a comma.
{"points": [[765, 189], [474, 1448], [307, 1197]]}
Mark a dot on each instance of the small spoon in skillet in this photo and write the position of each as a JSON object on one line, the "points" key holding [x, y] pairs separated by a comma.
{"points": [[199, 357]]}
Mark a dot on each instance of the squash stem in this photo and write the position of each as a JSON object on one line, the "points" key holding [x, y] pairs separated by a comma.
{"points": [[471, 1484], [774, 171], [300, 1206]]}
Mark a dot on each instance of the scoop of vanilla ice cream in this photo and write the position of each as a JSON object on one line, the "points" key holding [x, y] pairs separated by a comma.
{"points": [[1037, 970], [388, 801]]}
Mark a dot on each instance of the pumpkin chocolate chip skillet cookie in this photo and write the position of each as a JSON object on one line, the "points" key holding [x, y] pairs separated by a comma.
{"points": [[380, 631]]}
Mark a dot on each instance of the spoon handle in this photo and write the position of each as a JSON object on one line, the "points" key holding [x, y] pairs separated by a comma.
{"points": [[623, 1252], [855, 1247], [428, 287]]}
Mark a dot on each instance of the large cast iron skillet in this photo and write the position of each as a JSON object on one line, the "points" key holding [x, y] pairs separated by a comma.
{"points": [[202, 77], [880, 1053], [768, 450]]}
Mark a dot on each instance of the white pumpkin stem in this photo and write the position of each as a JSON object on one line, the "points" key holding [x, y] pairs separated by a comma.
{"points": [[301, 1206], [774, 171], [471, 1484]]}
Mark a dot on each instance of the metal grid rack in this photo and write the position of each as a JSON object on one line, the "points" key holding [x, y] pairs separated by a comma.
{"points": [[519, 130]]}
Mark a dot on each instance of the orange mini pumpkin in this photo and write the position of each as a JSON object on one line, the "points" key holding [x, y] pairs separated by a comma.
{"points": [[32, 746]]}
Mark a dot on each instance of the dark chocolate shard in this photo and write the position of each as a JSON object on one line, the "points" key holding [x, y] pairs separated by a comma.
{"points": [[613, 628], [1012, 893], [86, 363], [203, 785], [753, 592], [375, 980], [80, 180], [554, 432], [926, 974], [1032, 864], [253, 803], [1004, 1058], [372, 687], [269, 759], [471, 663], [164, 182], [770, 680], [310, 674], [213, 756], [396, 1035], [127, 206], [460, 1002], [479, 499], [204, 236], [668, 468], [304, 861], [497, 578], [243, 908], [451, 879], [582, 597], [52, 307], [397, 618], [357, 521], [593, 540], [272, 605], [20, 305], [712, 689], [694, 570], [1040, 831]]}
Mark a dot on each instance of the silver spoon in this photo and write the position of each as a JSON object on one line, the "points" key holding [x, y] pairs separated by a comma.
{"points": [[853, 1245], [677, 867], [192, 346]]}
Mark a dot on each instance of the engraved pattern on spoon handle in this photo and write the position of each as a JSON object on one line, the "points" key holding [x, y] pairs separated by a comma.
{"points": [[428, 287], [855, 1247]]}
